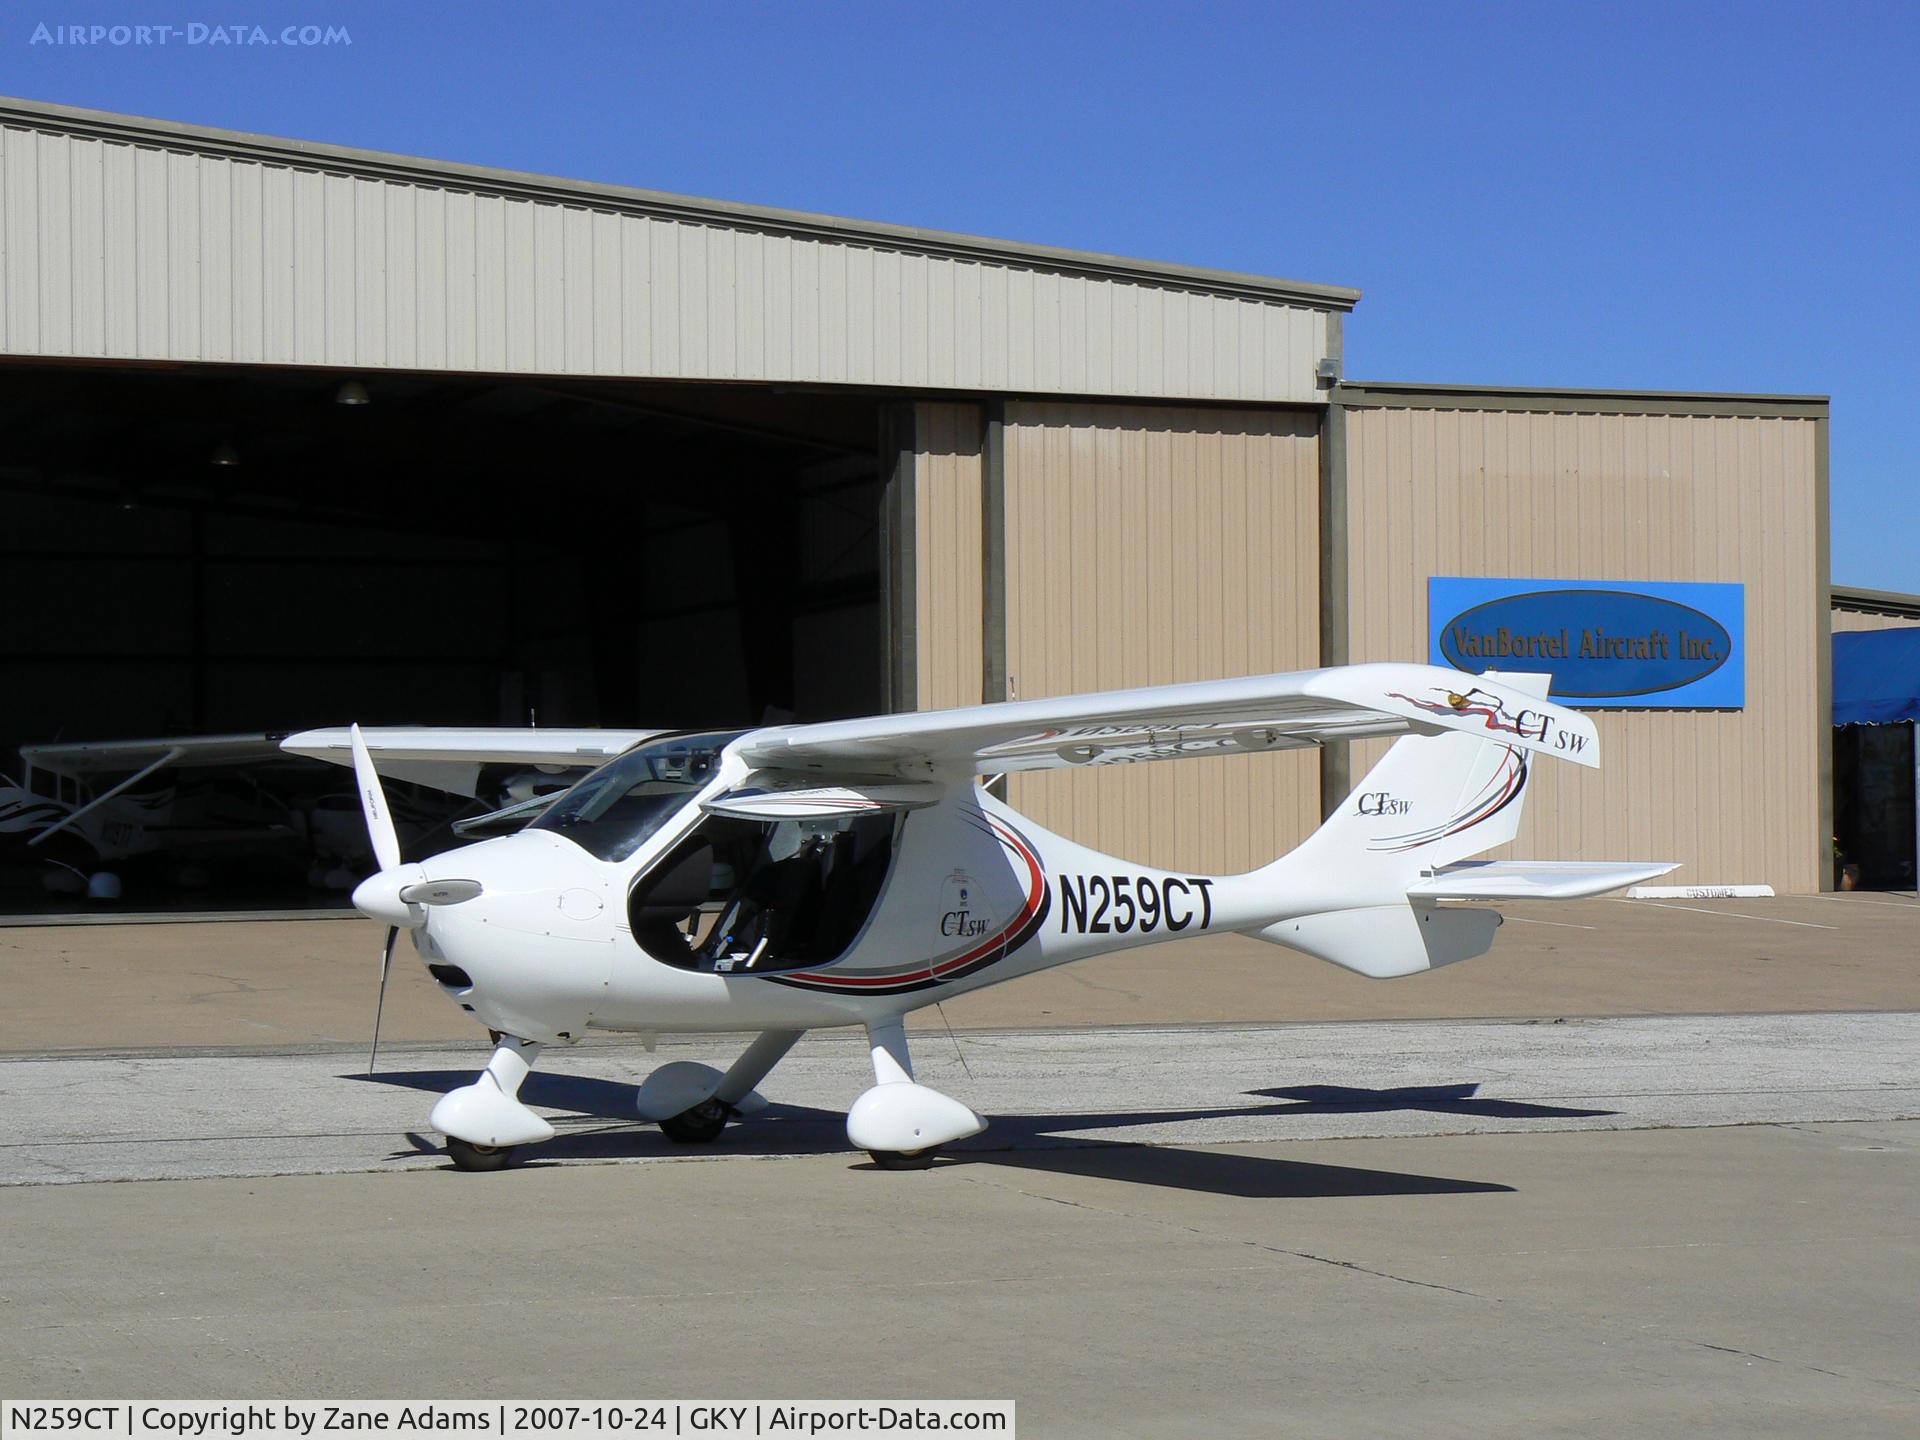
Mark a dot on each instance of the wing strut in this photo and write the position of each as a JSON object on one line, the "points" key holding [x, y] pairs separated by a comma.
{"points": [[134, 779]]}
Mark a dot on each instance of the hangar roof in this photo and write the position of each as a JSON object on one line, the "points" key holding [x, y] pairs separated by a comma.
{"points": [[385, 165], [287, 251], [1880, 602], [1417, 395]]}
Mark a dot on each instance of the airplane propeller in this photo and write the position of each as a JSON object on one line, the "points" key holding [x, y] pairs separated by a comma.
{"points": [[396, 893], [373, 804], [386, 854], [380, 999]]}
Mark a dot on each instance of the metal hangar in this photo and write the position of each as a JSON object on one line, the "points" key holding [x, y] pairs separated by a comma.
{"points": [[296, 434]]}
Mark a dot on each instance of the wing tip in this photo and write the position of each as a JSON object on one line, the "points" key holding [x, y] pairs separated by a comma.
{"points": [[311, 742]]}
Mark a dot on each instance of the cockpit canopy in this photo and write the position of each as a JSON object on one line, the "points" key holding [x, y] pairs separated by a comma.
{"points": [[612, 812]]}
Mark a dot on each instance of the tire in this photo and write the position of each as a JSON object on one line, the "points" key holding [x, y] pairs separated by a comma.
{"points": [[700, 1125], [468, 1156], [905, 1159]]}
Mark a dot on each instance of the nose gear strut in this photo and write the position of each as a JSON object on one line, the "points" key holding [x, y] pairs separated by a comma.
{"points": [[484, 1121]]}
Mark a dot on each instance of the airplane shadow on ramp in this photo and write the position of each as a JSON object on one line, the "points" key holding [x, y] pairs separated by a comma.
{"points": [[1217, 1172], [1440, 1099], [1030, 1142]]}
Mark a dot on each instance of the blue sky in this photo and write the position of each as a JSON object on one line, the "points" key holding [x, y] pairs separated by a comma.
{"points": [[1717, 197]]}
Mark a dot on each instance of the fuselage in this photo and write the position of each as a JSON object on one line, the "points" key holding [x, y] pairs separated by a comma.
{"points": [[973, 894]]}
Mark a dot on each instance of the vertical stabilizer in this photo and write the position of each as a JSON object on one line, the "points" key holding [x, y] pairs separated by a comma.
{"points": [[1432, 800]]}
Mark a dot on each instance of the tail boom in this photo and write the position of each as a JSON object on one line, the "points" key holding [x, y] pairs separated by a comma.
{"points": [[1383, 942]]}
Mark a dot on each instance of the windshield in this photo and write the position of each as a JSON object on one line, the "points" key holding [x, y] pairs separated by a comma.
{"points": [[611, 813]]}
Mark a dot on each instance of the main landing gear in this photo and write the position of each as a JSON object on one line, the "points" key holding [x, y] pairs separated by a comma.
{"points": [[905, 1159], [692, 1103], [699, 1125], [899, 1123]]}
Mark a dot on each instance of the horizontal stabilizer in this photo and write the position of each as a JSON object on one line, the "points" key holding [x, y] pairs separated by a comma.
{"points": [[1531, 879]]}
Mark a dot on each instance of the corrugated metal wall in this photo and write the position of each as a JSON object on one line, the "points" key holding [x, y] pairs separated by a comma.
{"points": [[947, 555], [1734, 796], [1147, 546], [132, 251]]}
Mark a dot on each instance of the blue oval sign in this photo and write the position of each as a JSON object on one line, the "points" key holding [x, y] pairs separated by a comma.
{"points": [[1598, 644]]}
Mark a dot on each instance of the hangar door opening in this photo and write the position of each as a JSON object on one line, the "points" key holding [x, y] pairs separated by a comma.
{"points": [[208, 550]]}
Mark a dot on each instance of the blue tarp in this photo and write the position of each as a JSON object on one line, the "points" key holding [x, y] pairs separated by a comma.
{"points": [[1876, 676]]}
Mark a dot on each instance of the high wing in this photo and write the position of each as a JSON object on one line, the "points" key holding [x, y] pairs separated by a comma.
{"points": [[1167, 722], [114, 757], [447, 758]]}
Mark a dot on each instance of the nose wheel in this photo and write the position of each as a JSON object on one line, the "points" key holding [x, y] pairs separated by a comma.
{"points": [[468, 1156], [485, 1122]]}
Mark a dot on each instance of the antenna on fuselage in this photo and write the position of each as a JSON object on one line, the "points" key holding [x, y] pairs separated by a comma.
{"points": [[941, 1007]]}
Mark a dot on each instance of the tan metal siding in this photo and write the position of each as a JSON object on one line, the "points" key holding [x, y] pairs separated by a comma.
{"points": [[122, 251], [1147, 546], [947, 555], [1734, 796], [1871, 620]]}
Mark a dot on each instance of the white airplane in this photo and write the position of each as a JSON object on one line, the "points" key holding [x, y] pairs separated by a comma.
{"points": [[794, 877]]}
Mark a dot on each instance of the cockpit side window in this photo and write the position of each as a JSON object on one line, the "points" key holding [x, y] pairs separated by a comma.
{"points": [[754, 896], [613, 811]]}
